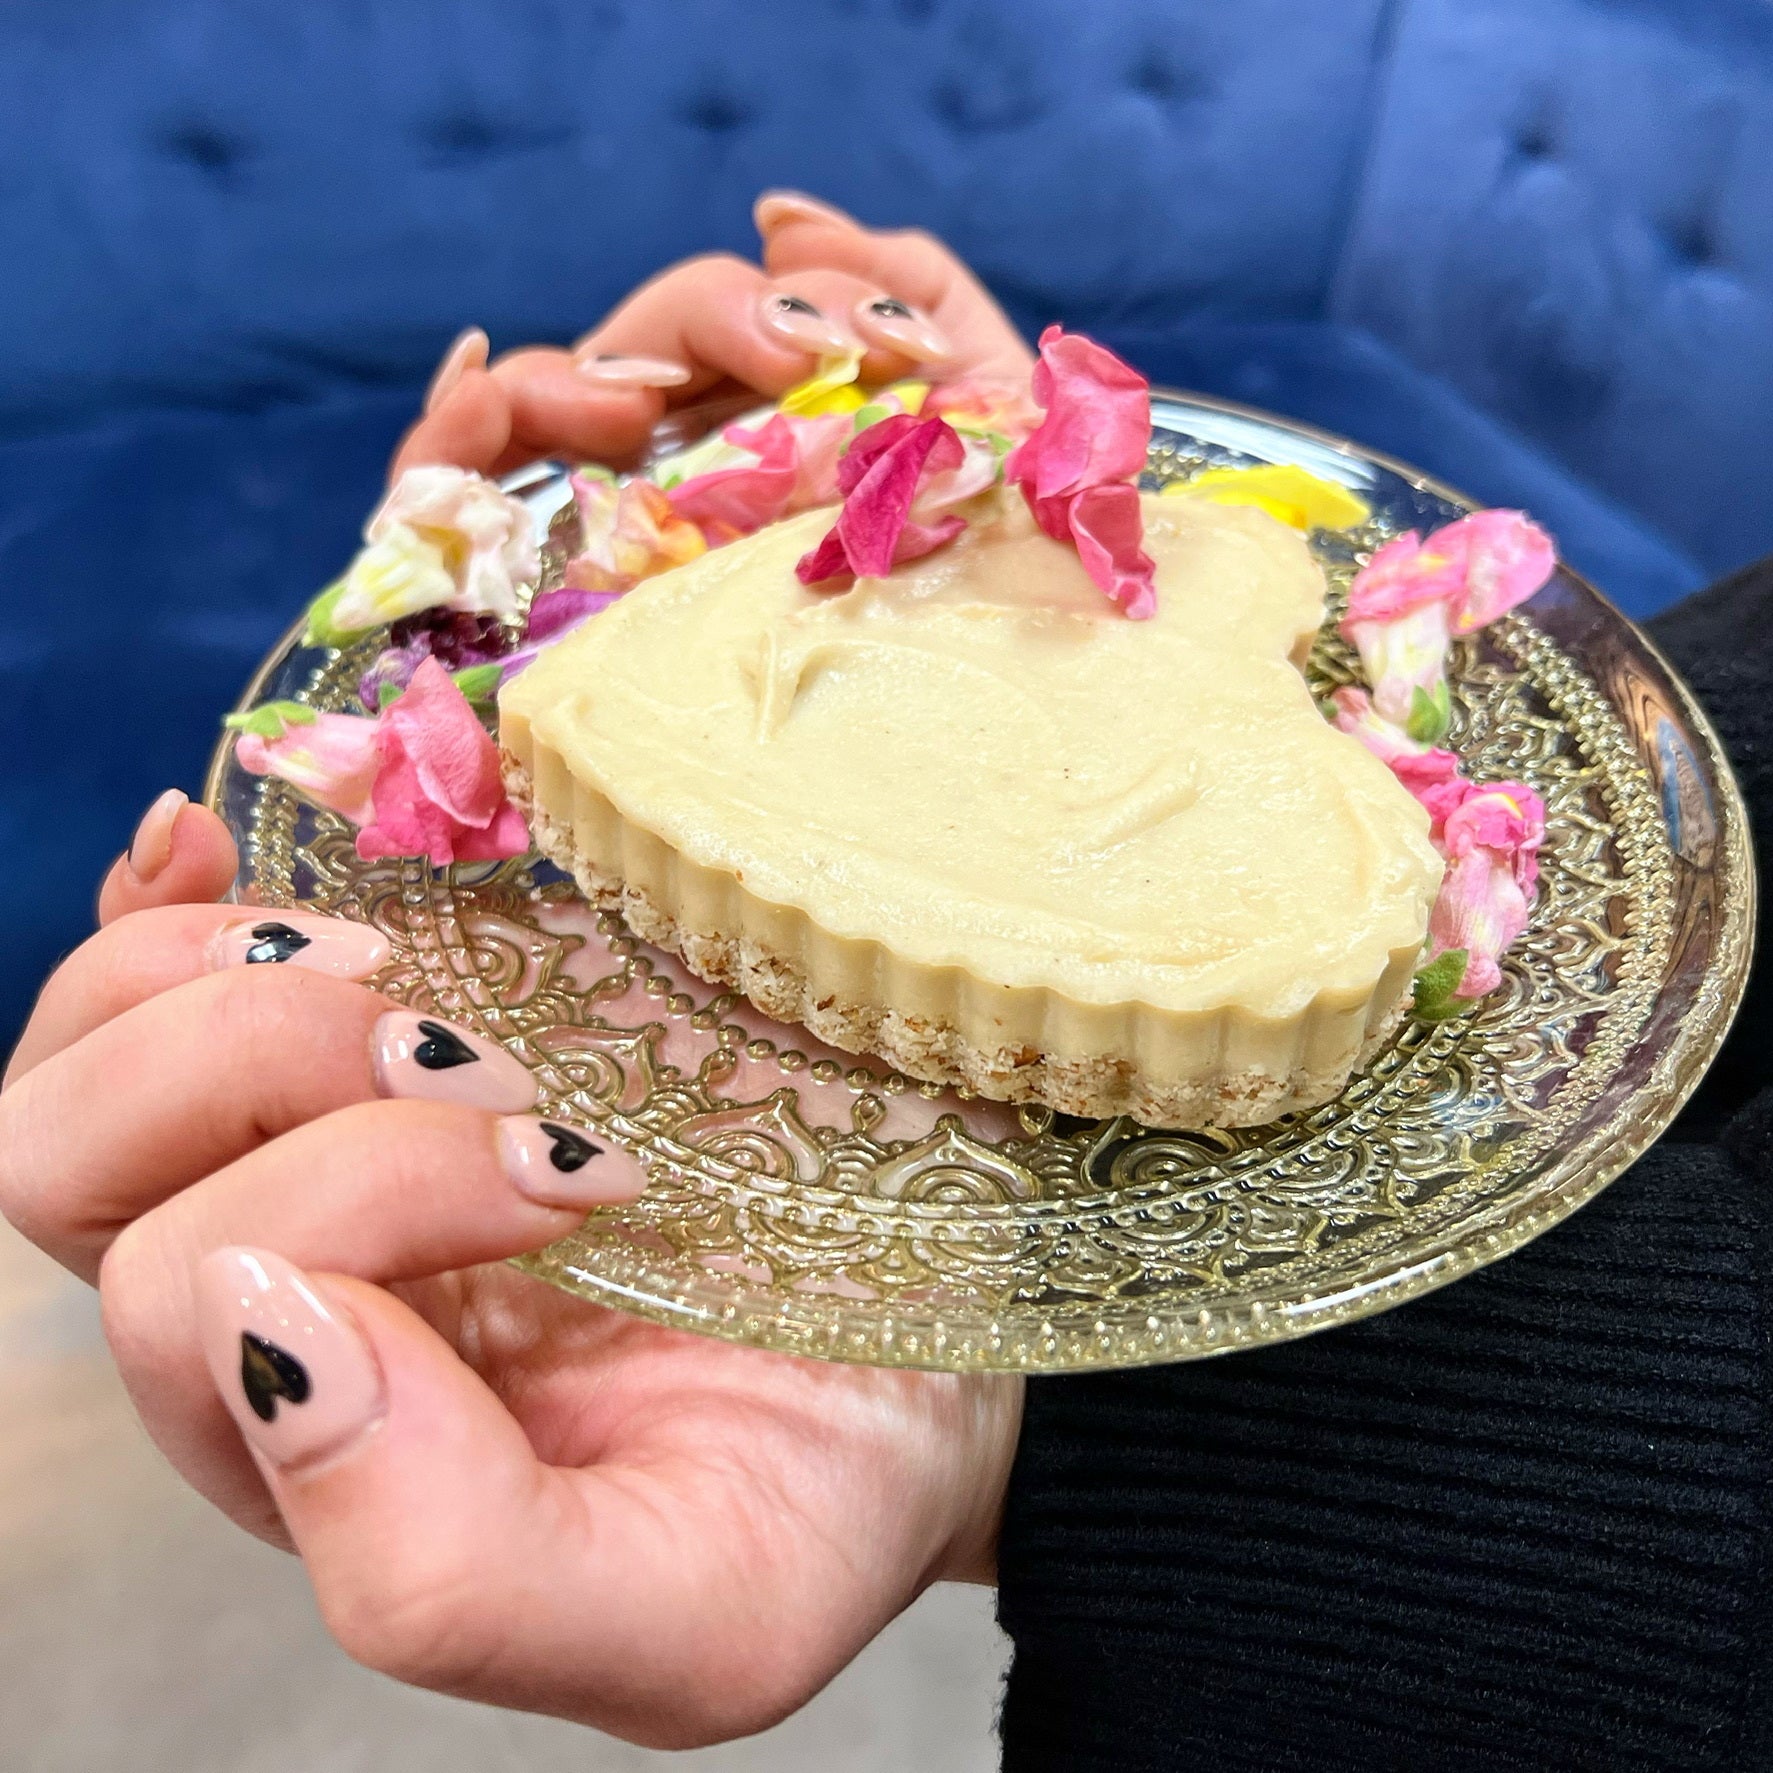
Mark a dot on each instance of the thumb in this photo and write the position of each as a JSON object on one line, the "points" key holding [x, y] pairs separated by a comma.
{"points": [[442, 1550], [181, 854]]}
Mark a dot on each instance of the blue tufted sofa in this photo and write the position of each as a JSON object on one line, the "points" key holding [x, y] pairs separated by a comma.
{"points": [[1527, 244]]}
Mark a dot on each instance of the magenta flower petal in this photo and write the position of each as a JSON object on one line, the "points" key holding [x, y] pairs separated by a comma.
{"points": [[1076, 468], [1097, 423], [880, 477], [554, 612], [1107, 529]]}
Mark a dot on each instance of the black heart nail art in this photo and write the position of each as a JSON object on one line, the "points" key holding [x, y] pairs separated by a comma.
{"points": [[793, 304], [572, 1151], [268, 1373], [273, 942], [442, 1049], [889, 308]]}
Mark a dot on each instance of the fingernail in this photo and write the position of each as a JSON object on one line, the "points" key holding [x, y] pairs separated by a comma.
{"points": [[151, 847], [890, 322], [558, 1166], [632, 372], [469, 351], [294, 1371], [421, 1056], [337, 946], [795, 320], [775, 209]]}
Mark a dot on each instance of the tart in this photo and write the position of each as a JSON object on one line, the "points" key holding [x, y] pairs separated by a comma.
{"points": [[967, 817]]}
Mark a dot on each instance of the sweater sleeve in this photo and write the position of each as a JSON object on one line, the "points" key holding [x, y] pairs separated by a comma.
{"points": [[1522, 1523]]}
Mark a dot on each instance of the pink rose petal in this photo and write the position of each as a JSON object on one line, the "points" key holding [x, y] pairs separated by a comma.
{"points": [[438, 792], [738, 501], [332, 760], [1507, 556]]}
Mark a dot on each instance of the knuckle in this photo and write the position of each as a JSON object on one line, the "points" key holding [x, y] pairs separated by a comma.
{"points": [[726, 263], [921, 242]]}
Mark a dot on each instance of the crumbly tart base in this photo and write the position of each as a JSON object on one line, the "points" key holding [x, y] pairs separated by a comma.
{"points": [[1304, 1062]]}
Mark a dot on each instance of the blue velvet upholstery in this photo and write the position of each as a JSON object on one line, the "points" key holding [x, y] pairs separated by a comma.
{"points": [[1524, 243], [1568, 213]]}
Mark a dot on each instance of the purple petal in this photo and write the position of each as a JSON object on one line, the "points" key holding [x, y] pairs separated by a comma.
{"points": [[556, 611]]}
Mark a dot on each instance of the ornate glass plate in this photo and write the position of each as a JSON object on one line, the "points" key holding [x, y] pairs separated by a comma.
{"points": [[806, 1200]]}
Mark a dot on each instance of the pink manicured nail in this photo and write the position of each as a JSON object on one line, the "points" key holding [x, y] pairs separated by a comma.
{"points": [[294, 1371], [776, 209], [632, 372], [558, 1166], [470, 351], [151, 847], [890, 322], [422, 1056], [336, 946], [793, 320]]}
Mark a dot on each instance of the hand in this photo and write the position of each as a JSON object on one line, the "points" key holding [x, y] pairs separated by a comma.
{"points": [[710, 324], [498, 1490]]}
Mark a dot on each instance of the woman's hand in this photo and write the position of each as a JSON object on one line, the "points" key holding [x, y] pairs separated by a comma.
{"points": [[827, 286], [296, 1201]]}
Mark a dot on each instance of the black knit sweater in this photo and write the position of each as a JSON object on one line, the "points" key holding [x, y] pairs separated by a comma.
{"points": [[1522, 1523]]}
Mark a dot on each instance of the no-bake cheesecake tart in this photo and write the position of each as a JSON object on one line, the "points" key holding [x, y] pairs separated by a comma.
{"points": [[967, 816]]}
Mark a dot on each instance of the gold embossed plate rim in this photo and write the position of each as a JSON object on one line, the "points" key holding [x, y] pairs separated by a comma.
{"points": [[1437, 1161]]}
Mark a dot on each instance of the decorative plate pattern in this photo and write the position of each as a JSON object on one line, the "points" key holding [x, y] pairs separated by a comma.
{"points": [[807, 1200]]}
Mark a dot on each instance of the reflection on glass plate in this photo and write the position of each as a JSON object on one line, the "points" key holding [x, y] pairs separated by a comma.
{"points": [[807, 1200]]}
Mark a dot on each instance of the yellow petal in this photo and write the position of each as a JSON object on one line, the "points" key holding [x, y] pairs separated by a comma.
{"points": [[829, 389], [1282, 489], [910, 395]]}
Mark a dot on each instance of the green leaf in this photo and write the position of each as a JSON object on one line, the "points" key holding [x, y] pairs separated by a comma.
{"points": [[1430, 716], [1436, 983], [871, 414], [479, 683], [386, 693], [321, 630], [270, 719]]}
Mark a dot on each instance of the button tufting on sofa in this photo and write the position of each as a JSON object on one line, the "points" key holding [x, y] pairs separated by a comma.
{"points": [[718, 113], [207, 146], [1160, 75]]}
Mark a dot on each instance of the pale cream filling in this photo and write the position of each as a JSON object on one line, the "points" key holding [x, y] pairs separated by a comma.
{"points": [[981, 764]]}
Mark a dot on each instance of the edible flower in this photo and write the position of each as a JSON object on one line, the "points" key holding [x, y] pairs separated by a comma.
{"points": [[1414, 596], [1491, 841], [1076, 468], [1490, 835], [1293, 495], [552, 616], [831, 388], [438, 792], [443, 538], [331, 758], [790, 465], [421, 778], [983, 406], [880, 476], [458, 643], [1430, 773], [628, 532]]}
